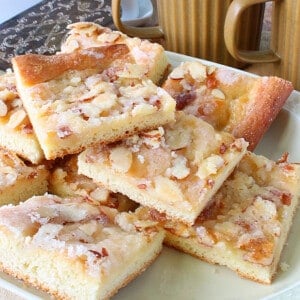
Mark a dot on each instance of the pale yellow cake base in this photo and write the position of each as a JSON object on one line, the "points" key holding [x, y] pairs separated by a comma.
{"points": [[25, 188]]}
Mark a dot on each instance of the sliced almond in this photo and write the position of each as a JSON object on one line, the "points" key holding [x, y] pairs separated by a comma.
{"points": [[168, 189], [75, 81], [177, 73], [153, 138], [143, 109], [121, 159], [197, 71], [211, 69], [68, 90], [143, 91], [16, 103], [126, 221], [201, 89], [204, 237], [218, 94], [3, 108], [16, 118], [108, 37], [64, 131], [72, 45], [178, 138], [105, 101], [99, 194], [89, 228]]}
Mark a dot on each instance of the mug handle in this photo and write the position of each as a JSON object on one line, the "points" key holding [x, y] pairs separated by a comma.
{"points": [[142, 32], [230, 33]]}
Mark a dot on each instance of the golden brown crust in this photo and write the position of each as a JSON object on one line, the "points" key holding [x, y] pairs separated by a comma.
{"points": [[270, 94], [35, 68]]}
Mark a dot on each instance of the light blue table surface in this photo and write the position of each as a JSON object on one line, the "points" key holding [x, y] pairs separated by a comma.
{"points": [[10, 8]]}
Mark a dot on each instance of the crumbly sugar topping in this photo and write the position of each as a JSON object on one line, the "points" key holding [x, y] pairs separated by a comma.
{"points": [[204, 91], [85, 97], [99, 235]]}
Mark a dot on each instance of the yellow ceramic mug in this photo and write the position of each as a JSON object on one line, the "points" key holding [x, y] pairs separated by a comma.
{"points": [[283, 57], [196, 28]]}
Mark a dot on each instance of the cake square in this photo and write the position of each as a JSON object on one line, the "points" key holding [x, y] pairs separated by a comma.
{"points": [[19, 181], [81, 250], [246, 224], [76, 99], [175, 169], [237, 103], [149, 55], [16, 132]]}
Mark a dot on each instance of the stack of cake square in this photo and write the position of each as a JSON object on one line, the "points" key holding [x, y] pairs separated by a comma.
{"points": [[129, 164]]}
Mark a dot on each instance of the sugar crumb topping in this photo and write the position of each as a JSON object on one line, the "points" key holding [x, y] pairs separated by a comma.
{"points": [[85, 97], [96, 234]]}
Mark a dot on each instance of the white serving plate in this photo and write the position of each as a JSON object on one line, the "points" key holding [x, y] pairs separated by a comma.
{"points": [[178, 276], [145, 14]]}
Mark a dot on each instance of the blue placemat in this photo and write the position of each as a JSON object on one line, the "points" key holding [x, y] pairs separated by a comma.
{"points": [[41, 28]]}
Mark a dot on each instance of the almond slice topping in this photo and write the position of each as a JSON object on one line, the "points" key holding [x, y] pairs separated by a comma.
{"points": [[16, 118], [3, 108], [218, 94]]}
